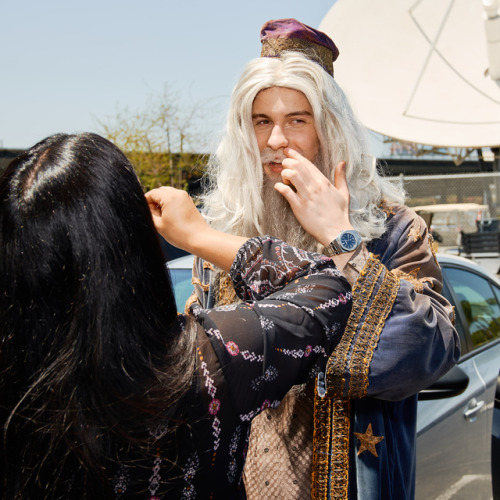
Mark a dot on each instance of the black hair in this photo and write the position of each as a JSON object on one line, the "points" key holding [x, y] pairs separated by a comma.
{"points": [[90, 348]]}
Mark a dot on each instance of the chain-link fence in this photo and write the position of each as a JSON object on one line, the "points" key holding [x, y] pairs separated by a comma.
{"points": [[472, 199]]}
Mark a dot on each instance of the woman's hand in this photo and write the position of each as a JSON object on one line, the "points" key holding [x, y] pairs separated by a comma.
{"points": [[175, 216], [178, 220]]}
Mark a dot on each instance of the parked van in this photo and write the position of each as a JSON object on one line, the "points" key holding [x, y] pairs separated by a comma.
{"points": [[447, 220]]}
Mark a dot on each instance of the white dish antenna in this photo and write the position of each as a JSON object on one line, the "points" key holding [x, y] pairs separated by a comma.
{"points": [[421, 71]]}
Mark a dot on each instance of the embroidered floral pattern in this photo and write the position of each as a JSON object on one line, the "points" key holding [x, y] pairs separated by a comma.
{"points": [[209, 381], [335, 302], [229, 307], [333, 330], [232, 348], [248, 416], [299, 290], [266, 324], [269, 375], [300, 353], [121, 481], [252, 357], [214, 407], [233, 449], [154, 480], [214, 332], [159, 430], [192, 465]]}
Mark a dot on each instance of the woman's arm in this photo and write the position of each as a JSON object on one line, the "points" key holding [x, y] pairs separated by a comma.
{"points": [[295, 310]]}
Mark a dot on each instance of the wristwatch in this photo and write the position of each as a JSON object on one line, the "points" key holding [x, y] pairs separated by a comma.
{"points": [[346, 241]]}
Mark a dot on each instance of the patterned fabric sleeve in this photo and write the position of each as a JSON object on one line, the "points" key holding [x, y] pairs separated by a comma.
{"points": [[296, 308], [264, 265]]}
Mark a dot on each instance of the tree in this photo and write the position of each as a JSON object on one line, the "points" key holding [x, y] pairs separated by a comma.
{"points": [[155, 139]]}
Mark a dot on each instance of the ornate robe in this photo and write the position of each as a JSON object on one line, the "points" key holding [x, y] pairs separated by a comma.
{"points": [[399, 339]]}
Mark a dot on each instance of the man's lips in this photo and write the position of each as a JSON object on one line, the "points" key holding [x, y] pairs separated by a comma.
{"points": [[276, 166]]}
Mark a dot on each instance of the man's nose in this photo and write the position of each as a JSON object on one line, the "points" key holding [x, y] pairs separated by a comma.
{"points": [[277, 139]]}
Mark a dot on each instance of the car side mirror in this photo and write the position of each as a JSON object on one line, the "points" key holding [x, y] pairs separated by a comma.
{"points": [[449, 385]]}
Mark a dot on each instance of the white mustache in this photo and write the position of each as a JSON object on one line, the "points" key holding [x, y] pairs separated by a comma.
{"points": [[268, 155]]}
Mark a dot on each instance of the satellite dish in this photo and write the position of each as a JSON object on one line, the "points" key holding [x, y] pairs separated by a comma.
{"points": [[421, 71]]}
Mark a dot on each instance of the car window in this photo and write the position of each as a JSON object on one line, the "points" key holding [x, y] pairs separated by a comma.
{"points": [[181, 281], [479, 304], [458, 322]]}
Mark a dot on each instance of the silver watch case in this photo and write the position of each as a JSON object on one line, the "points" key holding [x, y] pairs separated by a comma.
{"points": [[346, 241]]}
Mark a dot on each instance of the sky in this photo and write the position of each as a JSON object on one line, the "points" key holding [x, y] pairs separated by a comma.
{"points": [[67, 65]]}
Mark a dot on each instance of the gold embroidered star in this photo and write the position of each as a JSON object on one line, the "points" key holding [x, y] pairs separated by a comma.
{"points": [[415, 233], [418, 284], [368, 441]]}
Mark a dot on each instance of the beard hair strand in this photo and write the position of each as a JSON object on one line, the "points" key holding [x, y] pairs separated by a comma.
{"points": [[279, 220]]}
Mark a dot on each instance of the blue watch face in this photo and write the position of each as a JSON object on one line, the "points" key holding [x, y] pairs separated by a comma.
{"points": [[348, 241]]}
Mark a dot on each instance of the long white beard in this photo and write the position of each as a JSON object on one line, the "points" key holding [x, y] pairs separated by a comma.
{"points": [[279, 220]]}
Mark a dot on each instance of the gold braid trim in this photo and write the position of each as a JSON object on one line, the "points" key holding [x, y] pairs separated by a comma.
{"points": [[330, 467], [388, 209], [370, 334], [418, 284], [208, 265], [224, 290], [274, 47], [331, 432], [362, 292], [434, 247], [321, 439], [204, 286]]}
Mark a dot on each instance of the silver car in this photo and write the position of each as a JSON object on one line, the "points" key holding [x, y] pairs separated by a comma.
{"points": [[458, 445], [458, 424]]}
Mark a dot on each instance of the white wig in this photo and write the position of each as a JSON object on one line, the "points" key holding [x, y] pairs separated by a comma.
{"points": [[235, 175]]}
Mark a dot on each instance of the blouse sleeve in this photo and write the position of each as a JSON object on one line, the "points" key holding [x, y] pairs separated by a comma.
{"points": [[295, 310]]}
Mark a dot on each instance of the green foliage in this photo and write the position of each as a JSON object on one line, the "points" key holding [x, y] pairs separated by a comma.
{"points": [[155, 139]]}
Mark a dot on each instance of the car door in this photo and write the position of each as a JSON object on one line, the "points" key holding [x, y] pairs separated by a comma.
{"points": [[454, 434]]}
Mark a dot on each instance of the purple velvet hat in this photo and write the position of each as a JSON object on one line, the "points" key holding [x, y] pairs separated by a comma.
{"points": [[280, 35]]}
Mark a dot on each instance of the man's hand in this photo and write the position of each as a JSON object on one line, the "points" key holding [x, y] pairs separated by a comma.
{"points": [[321, 207]]}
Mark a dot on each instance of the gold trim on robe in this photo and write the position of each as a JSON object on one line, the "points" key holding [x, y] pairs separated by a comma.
{"points": [[332, 413]]}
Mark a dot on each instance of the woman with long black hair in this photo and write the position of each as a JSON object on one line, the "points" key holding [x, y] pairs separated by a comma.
{"points": [[105, 392]]}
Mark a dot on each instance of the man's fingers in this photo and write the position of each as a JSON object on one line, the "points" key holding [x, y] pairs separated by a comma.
{"points": [[294, 160], [291, 153], [292, 178], [287, 192]]}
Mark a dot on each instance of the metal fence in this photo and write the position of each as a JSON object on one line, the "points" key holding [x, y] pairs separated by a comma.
{"points": [[480, 188]]}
